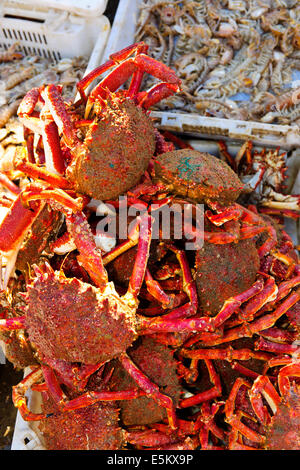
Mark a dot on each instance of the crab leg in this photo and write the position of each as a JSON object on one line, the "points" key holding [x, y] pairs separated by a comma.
{"points": [[267, 294], [122, 72], [29, 139], [154, 288], [54, 101], [207, 424], [29, 102], [227, 354], [73, 376], [263, 386], [188, 286], [220, 238], [278, 348], [19, 399], [254, 223], [90, 255], [291, 370], [150, 388], [133, 238], [13, 229], [8, 184], [149, 438], [233, 303], [5, 201], [53, 155], [201, 397], [278, 335], [137, 77], [89, 398], [34, 193], [86, 399], [234, 419], [40, 173], [157, 93], [140, 63], [150, 326], [28, 117], [90, 77], [17, 323], [53, 387], [47, 126], [174, 322], [285, 287], [141, 260], [113, 59], [262, 323]]}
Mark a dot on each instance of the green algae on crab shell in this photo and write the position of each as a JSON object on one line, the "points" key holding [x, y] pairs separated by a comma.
{"points": [[198, 176], [116, 151]]}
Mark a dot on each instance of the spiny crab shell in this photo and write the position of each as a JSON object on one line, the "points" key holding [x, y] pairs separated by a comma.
{"points": [[15, 344], [116, 151], [90, 428], [71, 320], [198, 176]]}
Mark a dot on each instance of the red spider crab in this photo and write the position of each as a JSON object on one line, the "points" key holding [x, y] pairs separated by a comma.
{"points": [[103, 325], [91, 421], [118, 142], [111, 155], [202, 178], [281, 431]]}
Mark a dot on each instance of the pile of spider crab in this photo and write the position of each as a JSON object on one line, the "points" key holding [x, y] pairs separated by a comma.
{"points": [[19, 73], [137, 342], [237, 59]]}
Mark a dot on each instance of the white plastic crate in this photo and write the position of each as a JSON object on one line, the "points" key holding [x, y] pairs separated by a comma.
{"points": [[53, 29], [287, 137]]}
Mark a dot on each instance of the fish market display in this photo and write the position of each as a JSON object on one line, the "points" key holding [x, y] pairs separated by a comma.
{"points": [[141, 342]]}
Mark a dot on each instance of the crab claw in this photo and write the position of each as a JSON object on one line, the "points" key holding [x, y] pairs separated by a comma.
{"points": [[13, 230]]}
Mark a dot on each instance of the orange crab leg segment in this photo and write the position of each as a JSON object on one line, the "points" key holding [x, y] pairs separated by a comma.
{"points": [[263, 386], [17, 323], [56, 106], [8, 184], [13, 230], [142, 256], [207, 395], [41, 173], [234, 419], [19, 399], [90, 255], [291, 370], [33, 193]]}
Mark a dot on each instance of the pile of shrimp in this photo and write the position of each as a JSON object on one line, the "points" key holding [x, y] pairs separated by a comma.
{"points": [[237, 59]]}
